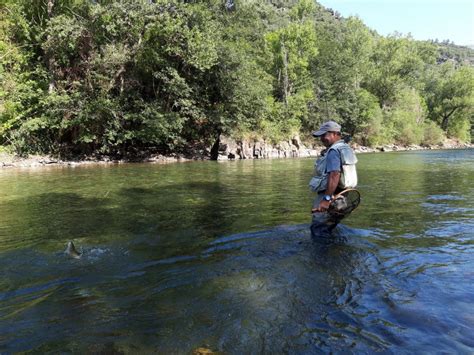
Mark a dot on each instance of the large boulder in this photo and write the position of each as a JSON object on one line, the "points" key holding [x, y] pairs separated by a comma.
{"points": [[228, 148]]}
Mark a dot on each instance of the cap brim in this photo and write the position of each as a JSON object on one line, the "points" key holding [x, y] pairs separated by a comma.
{"points": [[319, 133]]}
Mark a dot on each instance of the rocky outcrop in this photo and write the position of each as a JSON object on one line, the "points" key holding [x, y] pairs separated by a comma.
{"points": [[262, 149], [294, 148], [227, 148], [454, 144], [448, 144]]}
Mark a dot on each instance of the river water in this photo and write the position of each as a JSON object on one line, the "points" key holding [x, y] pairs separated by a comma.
{"points": [[219, 256]]}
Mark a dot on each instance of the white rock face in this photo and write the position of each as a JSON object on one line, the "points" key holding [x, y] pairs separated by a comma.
{"points": [[261, 149]]}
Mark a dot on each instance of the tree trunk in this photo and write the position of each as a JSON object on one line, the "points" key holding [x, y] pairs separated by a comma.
{"points": [[215, 147], [50, 57], [286, 83], [445, 122]]}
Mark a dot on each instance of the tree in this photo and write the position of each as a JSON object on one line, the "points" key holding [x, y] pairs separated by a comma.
{"points": [[404, 119], [369, 125], [397, 63], [120, 78], [450, 93], [345, 47], [293, 49]]}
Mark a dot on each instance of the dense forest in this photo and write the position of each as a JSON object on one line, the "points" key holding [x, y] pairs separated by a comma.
{"points": [[84, 77]]}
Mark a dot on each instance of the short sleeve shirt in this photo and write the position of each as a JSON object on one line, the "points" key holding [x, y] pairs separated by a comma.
{"points": [[333, 161]]}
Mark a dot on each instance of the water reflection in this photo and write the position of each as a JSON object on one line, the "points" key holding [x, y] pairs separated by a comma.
{"points": [[220, 256]]}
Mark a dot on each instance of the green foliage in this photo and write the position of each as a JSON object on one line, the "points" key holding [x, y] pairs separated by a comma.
{"points": [[460, 128], [342, 63], [293, 49], [449, 51], [432, 134], [119, 77], [397, 62], [369, 120], [5, 149], [404, 120], [450, 95], [64, 35]]}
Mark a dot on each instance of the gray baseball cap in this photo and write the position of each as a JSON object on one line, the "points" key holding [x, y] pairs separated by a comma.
{"points": [[329, 126]]}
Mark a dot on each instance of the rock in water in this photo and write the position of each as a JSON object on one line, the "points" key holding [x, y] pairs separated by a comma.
{"points": [[72, 251]]}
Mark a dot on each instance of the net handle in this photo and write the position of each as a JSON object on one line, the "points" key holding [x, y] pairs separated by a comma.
{"points": [[344, 191]]}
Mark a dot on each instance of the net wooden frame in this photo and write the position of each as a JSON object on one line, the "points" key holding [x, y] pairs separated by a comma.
{"points": [[352, 195]]}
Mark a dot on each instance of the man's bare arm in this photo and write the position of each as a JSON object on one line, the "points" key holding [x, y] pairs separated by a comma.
{"points": [[333, 181]]}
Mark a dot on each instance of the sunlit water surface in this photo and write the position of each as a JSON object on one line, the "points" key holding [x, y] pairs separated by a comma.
{"points": [[219, 256]]}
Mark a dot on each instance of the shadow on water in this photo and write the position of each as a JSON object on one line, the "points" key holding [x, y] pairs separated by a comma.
{"points": [[144, 214], [50, 217], [184, 217]]}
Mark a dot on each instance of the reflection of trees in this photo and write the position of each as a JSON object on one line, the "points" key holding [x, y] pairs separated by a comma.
{"points": [[52, 217], [391, 185], [182, 205]]}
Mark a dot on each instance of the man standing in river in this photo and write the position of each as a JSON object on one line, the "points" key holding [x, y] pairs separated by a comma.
{"points": [[334, 172]]}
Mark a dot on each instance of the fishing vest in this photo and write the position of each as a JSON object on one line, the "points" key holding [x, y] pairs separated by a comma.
{"points": [[348, 178]]}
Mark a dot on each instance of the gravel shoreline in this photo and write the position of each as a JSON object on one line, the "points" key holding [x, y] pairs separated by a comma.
{"points": [[34, 161]]}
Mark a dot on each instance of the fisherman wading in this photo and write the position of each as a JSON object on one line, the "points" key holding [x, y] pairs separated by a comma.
{"points": [[334, 172]]}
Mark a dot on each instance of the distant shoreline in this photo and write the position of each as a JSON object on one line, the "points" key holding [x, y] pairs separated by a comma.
{"points": [[37, 161]]}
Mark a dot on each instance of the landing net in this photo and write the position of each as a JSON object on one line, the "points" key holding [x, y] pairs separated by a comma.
{"points": [[344, 203]]}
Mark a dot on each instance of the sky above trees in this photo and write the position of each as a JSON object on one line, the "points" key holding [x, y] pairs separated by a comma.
{"points": [[424, 19]]}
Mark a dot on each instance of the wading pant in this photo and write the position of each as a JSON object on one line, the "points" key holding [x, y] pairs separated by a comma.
{"points": [[322, 223]]}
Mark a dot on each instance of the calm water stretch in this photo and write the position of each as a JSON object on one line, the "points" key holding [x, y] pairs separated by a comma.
{"points": [[219, 255]]}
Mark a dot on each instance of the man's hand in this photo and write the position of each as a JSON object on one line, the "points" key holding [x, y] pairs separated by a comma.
{"points": [[333, 180], [323, 206]]}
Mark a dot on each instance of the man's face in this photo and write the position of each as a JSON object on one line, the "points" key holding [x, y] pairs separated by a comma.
{"points": [[329, 138]]}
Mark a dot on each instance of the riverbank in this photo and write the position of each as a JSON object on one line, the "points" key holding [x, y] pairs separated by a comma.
{"points": [[228, 150]]}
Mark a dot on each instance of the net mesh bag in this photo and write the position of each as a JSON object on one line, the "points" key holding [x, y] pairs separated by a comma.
{"points": [[344, 203]]}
